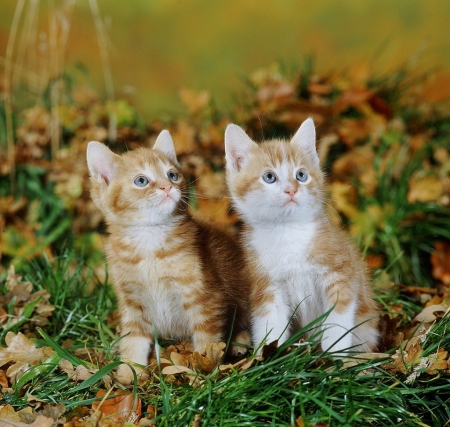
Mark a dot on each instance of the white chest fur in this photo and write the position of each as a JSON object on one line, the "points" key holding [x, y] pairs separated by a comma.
{"points": [[153, 281], [284, 254]]}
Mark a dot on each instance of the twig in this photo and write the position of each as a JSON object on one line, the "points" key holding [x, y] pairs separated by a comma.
{"points": [[107, 75], [8, 93]]}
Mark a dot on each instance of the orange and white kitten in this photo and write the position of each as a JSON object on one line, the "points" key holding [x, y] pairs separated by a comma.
{"points": [[172, 274], [302, 265]]}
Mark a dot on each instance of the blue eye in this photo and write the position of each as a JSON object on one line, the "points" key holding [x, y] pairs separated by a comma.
{"points": [[173, 176], [269, 177], [301, 175], [141, 181]]}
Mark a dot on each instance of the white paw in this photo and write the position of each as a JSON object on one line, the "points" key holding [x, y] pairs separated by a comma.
{"points": [[125, 376]]}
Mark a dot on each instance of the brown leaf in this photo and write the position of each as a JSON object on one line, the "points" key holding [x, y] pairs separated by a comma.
{"points": [[21, 293], [424, 188], [197, 421], [178, 359], [430, 314], [269, 349], [194, 101], [374, 261], [22, 353], [23, 418], [210, 361], [177, 369], [439, 362], [211, 184], [3, 379], [343, 198], [440, 260], [390, 337], [81, 373], [352, 98], [118, 405]]}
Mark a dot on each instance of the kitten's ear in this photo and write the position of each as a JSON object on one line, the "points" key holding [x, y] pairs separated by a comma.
{"points": [[164, 143], [237, 147], [305, 139], [102, 162]]}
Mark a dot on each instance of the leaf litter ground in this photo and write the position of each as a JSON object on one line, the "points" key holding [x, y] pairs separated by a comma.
{"points": [[386, 153]]}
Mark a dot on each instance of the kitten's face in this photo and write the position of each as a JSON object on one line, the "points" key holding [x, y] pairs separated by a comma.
{"points": [[140, 187], [276, 181]]}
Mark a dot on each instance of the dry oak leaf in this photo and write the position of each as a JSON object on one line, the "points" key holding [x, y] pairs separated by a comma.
{"points": [[3, 380], [427, 315], [81, 373], [10, 418], [438, 362], [424, 188], [194, 101], [210, 361], [440, 260], [408, 355], [118, 405], [22, 353]]}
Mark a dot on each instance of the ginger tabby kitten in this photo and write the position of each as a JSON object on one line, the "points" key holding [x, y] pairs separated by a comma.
{"points": [[172, 273], [302, 265]]}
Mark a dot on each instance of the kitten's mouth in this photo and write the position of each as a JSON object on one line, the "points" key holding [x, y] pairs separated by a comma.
{"points": [[290, 202]]}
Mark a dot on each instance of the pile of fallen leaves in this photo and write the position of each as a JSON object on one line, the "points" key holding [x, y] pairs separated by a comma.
{"points": [[365, 134]]}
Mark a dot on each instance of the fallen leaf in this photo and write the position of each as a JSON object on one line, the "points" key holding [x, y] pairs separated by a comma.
{"points": [[177, 369], [22, 353], [428, 314], [194, 101], [210, 361], [374, 261], [352, 98], [437, 362], [81, 373], [3, 379], [40, 421], [118, 405], [197, 421], [24, 418], [440, 260], [424, 188]]}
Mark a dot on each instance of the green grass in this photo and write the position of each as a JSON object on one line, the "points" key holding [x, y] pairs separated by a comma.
{"points": [[301, 383]]}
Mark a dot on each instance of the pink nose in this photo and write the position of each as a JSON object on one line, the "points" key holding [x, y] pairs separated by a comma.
{"points": [[166, 187], [290, 191]]}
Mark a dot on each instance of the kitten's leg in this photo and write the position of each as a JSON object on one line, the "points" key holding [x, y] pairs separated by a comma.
{"points": [[242, 338], [207, 330], [338, 327], [366, 334], [270, 319], [134, 348]]}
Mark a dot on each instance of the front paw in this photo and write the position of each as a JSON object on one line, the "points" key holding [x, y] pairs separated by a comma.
{"points": [[125, 376], [242, 342]]}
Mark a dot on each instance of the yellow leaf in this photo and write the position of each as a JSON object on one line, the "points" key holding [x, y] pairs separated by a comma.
{"points": [[424, 188], [22, 353]]}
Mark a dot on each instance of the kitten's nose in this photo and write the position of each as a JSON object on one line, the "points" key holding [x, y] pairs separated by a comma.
{"points": [[290, 191], [165, 187]]}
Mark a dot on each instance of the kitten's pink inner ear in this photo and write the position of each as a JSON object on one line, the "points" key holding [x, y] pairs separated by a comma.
{"points": [[101, 161], [305, 138], [237, 146], [237, 158], [164, 143]]}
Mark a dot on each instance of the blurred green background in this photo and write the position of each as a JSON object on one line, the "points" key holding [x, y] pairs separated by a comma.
{"points": [[158, 47]]}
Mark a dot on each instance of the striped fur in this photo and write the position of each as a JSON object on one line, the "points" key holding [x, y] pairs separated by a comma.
{"points": [[172, 273], [302, 265]]}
